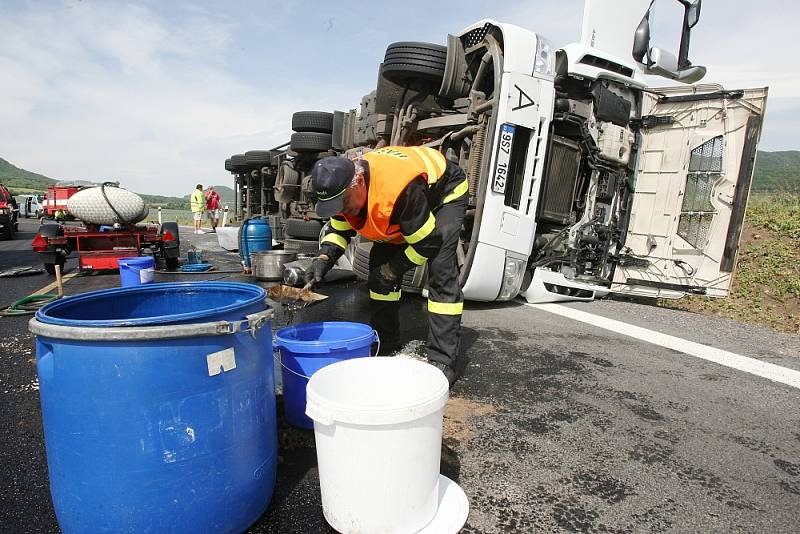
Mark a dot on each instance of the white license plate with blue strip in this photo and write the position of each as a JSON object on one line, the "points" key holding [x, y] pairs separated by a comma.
{"points": [[501, 163]]}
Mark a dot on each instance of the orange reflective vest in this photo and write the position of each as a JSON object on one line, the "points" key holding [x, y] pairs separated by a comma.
{"points": [[391, 169]]}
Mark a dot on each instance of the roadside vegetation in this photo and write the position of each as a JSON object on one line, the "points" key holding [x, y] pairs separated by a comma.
{"points": [[766, 286]]}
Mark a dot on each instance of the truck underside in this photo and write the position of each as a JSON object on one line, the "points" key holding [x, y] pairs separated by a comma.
{"points": [[551, 143]]}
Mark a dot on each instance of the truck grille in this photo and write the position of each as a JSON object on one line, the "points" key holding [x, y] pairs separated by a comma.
{"points": [[562, 165]]}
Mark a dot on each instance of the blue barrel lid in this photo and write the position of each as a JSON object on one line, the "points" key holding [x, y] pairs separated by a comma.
{"points": [[153, 304]]}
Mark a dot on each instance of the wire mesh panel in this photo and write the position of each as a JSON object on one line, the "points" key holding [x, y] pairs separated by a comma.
{"points": [[697, 211]]}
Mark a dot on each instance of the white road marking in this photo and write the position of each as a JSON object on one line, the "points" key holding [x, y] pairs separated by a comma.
{"points": [[770, 371]]}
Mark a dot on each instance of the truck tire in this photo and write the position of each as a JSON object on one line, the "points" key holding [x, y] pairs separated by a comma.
{"points": [[406, 62], [239, 163], [413, 280], [261, 158], [287, 188], [8, 230], [310, 142], [312, 121], [228, 165], [301, 246], [303, 229]]}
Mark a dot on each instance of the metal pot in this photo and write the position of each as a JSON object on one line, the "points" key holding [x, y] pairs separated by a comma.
{"points": [[268, 264]]}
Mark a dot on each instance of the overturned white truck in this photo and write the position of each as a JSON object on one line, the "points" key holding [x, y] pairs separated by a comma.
{"points": [[583, 179]]}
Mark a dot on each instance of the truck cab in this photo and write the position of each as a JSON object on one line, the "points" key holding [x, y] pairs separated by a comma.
{"points": [[583, 178]]}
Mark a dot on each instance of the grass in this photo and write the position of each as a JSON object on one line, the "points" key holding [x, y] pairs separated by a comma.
{"points": [[766, 287]]}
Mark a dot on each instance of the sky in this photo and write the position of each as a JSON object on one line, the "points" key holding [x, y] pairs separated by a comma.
{"points": [[157, 94]]}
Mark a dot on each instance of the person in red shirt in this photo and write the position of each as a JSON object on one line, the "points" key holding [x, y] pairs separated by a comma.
{"points": [[212, 207]]}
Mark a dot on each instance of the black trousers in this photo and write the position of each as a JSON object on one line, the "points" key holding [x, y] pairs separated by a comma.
{"points": [[445, 299]]}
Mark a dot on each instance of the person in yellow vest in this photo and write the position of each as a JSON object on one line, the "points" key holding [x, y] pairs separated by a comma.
{"points": [[198, 204], [410, 201]]}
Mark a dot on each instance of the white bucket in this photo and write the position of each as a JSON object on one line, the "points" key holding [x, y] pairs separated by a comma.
{"points": [[378, 430]]}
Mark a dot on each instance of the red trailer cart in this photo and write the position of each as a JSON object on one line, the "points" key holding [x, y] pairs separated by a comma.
{"points": [[99, 247]]}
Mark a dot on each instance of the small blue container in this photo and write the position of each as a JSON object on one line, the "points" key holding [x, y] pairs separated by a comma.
{"points": [[307, 348], [158, 407], [136, 270], [194, 256], [255, 235]]}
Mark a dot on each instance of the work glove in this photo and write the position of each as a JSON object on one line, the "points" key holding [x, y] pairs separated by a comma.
{"points": [[319, 268], [382, 280]]}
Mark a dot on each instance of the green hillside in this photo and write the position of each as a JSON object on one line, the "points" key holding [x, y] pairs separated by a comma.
{"points": [[22, 181], [777, 171], [226, 194]]}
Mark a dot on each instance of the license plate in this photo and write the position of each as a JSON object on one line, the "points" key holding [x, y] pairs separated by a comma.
{"points": [[503, 158]]}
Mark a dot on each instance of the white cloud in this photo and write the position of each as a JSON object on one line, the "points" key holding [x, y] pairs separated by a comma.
{"points": [[114, 92], [158, 94]]}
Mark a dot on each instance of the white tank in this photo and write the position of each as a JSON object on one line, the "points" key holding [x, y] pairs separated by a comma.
{"points": [[90, 206]]}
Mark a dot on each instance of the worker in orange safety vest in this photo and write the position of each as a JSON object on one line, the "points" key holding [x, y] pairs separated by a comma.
{"points": [[410, 201]]}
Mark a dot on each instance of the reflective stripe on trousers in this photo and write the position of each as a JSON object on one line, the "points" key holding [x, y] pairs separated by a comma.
{"points": [[445, 301]]}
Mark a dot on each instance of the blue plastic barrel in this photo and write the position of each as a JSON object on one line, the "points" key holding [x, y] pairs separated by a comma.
{"points": [[136, 270], [255, 235], [158, 407], [307, 348]]}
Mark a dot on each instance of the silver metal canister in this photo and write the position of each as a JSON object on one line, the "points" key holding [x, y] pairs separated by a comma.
{"points": [[268, 264], [294, 273]]}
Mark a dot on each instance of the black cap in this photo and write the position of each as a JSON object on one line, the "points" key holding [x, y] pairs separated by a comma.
{"points": [[330, 179]]}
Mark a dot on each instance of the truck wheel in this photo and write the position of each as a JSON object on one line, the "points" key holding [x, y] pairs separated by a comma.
{"points": [[301, 246], [51, 267], [8, 231], [261, 158], [287, 187], [312, 121], [310, 142], [407, 62], [239, 163], [172, 264], [303, 229]]}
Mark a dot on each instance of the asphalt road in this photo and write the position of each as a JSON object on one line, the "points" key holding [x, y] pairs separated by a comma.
{"points": [[556, 426]]}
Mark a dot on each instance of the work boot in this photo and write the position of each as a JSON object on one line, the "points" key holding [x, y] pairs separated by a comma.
{"points": [[448, 371]]}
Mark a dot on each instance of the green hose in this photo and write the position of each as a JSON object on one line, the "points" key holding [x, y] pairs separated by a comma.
{"points": [[28, 305]]}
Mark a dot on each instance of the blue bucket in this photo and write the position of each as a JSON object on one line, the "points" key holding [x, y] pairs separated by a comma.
{"points": [[137, 270], [309, 347], [157, 421]]}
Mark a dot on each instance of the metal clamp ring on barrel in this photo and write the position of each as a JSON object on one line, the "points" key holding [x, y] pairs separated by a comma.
{"points": [[275, 348], [253, 323]]}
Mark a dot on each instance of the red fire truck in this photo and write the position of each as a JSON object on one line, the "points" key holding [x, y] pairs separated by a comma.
{"points": [[57, 195]]}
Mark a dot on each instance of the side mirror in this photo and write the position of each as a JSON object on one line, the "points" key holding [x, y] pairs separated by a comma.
{"points": [[663, 63], [660, 62], [693, 14], [641, 39]]}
